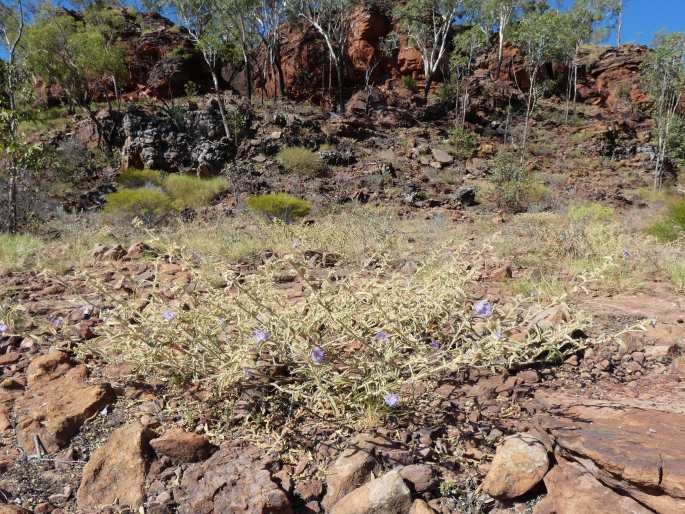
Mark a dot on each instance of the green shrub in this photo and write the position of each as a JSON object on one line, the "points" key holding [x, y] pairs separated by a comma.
{"points": [[301, 161], [145, 203], [670, 227], [463, 142], [409, 82], [191, 192], [134, 178], [513, 182], [280, 205], [590, 212], [16, 250]]}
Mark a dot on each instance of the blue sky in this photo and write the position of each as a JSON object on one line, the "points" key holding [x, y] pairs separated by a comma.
{"points": [[642, 19]]}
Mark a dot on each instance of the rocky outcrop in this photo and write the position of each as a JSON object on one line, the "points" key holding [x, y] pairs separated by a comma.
{"points": [[181, 446], [187, 140], [613, 454], [385, 495]]}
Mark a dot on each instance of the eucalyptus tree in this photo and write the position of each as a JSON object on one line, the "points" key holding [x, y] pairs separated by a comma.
{"points": [[663, 77], [542, 38], [332, 20], [269, 16], [427, 24], [61, 49], [204, 25], [466, 44], [239, 21], [12, 24], [495, 13]]}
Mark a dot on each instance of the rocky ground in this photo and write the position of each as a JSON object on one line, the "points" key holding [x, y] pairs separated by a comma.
{"points": [[600, 431]]}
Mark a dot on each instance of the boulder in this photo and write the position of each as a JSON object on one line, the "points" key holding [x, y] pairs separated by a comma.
{"points": [[236, 480], [385, 495], [13, 509], [115, 473], [58, 400], [519, 465], [181, 446]]}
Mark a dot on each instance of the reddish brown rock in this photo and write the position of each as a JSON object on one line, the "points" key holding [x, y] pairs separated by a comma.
{"points": [[57, 402], [420, 507], [115, 473], [385, 495], [350, 470], [236, 480], [13, 509], [420, 477], [519, 465], [183, 446], [9, 358], [634, 451], [572, 489]]}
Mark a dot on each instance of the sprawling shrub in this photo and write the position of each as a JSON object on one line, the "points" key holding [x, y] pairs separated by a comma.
{"points": [[148, 204], [280, 205], [188, 191], [301, 161], [133, 178], [462, 142]]}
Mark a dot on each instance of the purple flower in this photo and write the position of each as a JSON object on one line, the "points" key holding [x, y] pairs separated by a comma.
{"points": [[168, 315], [435, 344], [260, 336], [57, 322], [483, 309], [318, 355], [382, 337], [626, 253], [221, 321], [3, 328], [249, 374], [391, 399], [498, 334]]}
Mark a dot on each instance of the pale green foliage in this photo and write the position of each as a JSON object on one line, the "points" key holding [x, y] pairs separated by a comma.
{"points": [[466, 44], [134, 177], [213, 340], [514, 186], [462, 142], [145, 203], [301, 161], [593, 19], [671, 226], [193, 192], [280, 206], [64, 51]]}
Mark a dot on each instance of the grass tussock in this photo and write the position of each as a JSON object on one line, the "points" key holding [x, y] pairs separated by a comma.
{"points": [[17, 251], [193, 192], [671, 226], [280, 206], [301, 161], [134, 178]]}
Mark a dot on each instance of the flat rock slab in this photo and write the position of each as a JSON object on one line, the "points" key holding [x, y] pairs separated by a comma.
{"points": [[234, 480], [57, 401], [639, 452]]}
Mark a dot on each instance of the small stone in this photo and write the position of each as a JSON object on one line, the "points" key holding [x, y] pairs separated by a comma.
{"points": [[441, 156], [181, 446], [385, 495], [420, 507], [519, 465], [9, 358], [420, 477]]}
